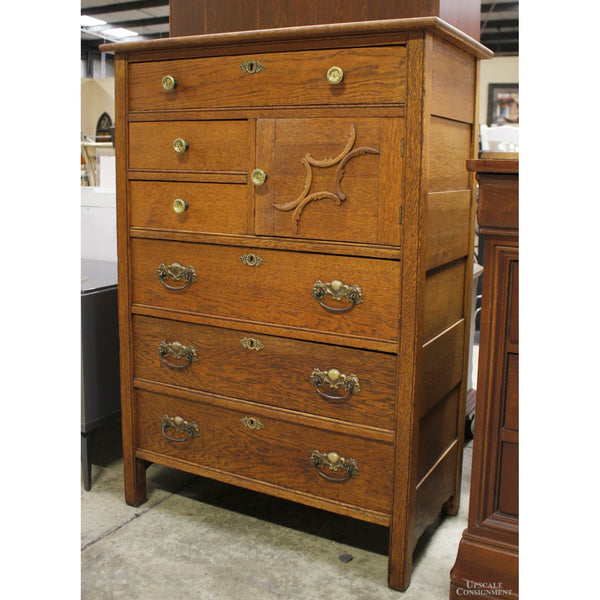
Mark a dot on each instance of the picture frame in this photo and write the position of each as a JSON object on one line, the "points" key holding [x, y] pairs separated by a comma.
{"points": [[503, 104]]}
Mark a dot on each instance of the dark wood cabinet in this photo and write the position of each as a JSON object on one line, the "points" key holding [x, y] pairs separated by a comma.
{"points": [[193, 17], [488, 553], [295, 234]]}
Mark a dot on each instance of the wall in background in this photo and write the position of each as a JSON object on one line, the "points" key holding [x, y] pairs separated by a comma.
{"points": [[97, 97], [503, 69]]}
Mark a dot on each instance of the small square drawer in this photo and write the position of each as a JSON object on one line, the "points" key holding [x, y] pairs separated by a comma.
{"points": [[349, 296], [322, 77], [194, 207], [338, 382], [197, 146], [275, 447]]}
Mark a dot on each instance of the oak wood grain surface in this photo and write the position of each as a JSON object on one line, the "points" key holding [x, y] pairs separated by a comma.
{"points": [[365, 185], [278, 291], [277, 373], [371, 75], [211, 207], [277, 453]]}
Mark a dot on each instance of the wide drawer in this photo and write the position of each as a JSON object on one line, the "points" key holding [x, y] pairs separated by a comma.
{"points": [[263, 445], [333, 381], [370, 75], [205, 146], [293, 289], [195, 207]]}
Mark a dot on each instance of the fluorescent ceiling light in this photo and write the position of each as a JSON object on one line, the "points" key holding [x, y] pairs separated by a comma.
{"points": [[119, 32], [90, 21]]}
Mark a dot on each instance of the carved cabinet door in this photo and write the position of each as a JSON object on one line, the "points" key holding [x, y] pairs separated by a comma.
{"points": [[338, 179]]}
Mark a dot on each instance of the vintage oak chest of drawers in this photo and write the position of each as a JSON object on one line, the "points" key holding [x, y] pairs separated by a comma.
{"points": [[295, 229]]}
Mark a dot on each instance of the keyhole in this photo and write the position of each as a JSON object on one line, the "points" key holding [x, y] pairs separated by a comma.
{"points": [[251, 66]]}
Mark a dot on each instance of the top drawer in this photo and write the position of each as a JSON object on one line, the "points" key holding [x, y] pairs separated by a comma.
{"points": [[370, 75]]}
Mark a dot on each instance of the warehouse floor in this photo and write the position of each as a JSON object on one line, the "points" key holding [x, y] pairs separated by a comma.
{"points": [[200, 539]]}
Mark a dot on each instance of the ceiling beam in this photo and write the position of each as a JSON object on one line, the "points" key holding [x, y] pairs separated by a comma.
{"points": [[501, 24], [500, 7], [129, 24], [113, 8]]}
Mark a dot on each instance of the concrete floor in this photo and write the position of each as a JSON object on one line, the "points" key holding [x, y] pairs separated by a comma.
{"points": [[200, 539]]}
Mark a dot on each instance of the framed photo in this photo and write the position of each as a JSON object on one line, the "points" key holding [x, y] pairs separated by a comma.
{"points": [[503, 104]]}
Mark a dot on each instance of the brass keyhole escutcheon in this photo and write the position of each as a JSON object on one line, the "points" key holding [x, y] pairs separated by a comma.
{"points": [[335, 75], [179, 206], [180, 145], [251, 423], [169, 83], [252, 260], [252, 66], [258, 177], [252, 344]]}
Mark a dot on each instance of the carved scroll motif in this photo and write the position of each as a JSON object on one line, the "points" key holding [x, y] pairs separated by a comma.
{"points": [[338, 196]]}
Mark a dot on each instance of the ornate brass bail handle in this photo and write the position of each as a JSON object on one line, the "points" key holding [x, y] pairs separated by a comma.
{"points": [[179, 352], [338, 291], [176, 272], [335, 380], [334, 463], [187, 428]]}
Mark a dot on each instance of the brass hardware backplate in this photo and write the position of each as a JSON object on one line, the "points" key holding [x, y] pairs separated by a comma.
{"points": [[252, 66], [334, 462], [334, 379], [251, 343], [178, 351], [251, 423], [178, 273], [337, 290], [180, 425]]}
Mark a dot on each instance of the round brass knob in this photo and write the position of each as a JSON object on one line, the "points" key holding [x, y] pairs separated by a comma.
{"points": [[180, 145], [258, 176], [169, 83], [179, 205], [335, 75]]}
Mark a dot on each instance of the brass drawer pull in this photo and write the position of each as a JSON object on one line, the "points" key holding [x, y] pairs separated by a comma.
{"points": [[179, 206], [251, 423], [334, 462], [177, 272], [180, 425], [335, 380], [252, 260], [337, 290], [252, 343], [258, 177], [179, 352], [335, 75], [180, 145], [252, 66], [168, 83]]}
